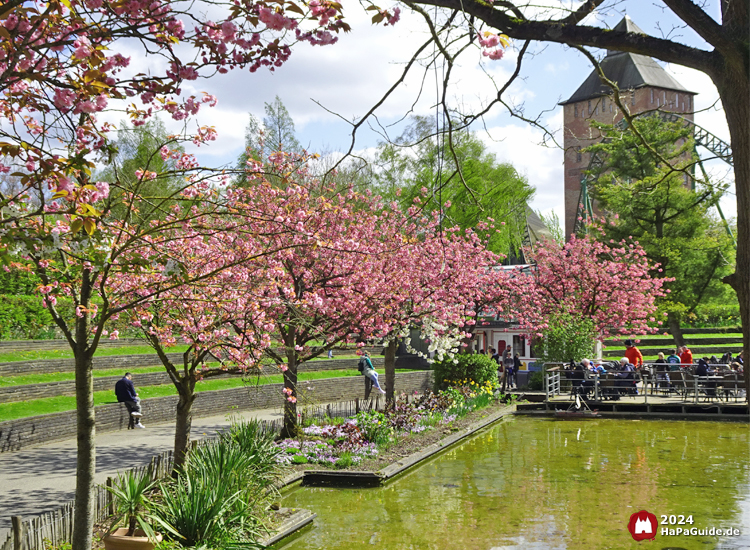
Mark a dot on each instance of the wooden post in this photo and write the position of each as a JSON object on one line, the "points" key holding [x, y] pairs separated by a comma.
{"points": [[110, 498], [19, 533], [356, 405], [328, 410]]}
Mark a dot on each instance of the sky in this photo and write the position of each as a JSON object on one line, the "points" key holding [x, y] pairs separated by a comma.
{"points": [[324, 87]]}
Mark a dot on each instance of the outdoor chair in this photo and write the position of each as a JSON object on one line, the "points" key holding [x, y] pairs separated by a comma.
{"points": [[608, 389], [663, 382], [686, 385], [707, 388], [732, 385]]}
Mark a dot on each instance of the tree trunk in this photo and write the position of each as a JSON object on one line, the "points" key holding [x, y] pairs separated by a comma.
{"points": [[390, 371], [734, 90], [184, 422], [290, 428], [83, 518], [676, 329]]}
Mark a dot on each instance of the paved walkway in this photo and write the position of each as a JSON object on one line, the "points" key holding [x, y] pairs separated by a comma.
{"points": [[39, 479]]}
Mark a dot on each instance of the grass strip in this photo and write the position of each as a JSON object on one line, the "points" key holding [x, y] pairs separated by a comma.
{"points": [[40, 355], [49, 405], [27, 379], [44, 378]]}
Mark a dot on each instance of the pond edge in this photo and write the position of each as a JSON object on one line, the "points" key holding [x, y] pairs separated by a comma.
{"points": [[299, 519]]}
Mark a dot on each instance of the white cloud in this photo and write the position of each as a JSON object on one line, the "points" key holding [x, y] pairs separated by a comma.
{"points": [[522, 145]]}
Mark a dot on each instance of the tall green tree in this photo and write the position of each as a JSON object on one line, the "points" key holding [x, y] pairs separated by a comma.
{"points": [[138, 164], [647, 193], [459, 178], [279, 128], [276, 132]]}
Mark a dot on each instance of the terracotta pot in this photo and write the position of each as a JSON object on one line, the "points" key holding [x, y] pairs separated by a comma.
{"points": [[120, 541]]}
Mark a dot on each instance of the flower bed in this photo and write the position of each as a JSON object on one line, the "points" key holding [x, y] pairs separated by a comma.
{"points": [[373, 437]]}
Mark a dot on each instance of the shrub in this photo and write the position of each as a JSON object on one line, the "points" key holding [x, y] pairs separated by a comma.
{"points": [[374, 427], [464, 367], [223, 489], [567, 338], [709, 316], [344, 461], [536, 381]]}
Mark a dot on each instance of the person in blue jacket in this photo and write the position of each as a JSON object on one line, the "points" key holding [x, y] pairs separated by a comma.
{"points": [[125, 392]]}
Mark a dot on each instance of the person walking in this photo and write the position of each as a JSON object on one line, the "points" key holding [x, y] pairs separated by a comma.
{"points": [[125, 392]]}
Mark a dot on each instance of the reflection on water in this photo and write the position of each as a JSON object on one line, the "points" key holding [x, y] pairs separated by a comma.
{"points": [[537, 484]]}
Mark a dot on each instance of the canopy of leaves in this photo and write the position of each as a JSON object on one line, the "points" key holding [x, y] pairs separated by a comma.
{"points": [[459, 178], [645, 193], [139, 152]]}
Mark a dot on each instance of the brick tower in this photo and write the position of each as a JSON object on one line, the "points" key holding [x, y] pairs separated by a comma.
{"points": [[644, 86]]}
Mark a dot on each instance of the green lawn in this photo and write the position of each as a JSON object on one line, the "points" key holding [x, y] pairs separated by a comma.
{"points": [[24, 379], [48, 405], [37, 355]]}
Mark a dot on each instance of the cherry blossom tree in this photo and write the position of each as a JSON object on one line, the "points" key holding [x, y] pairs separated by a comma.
{"points": [[215, 312], [61, 65], [612, 284], [327, 243], [437, 282]]}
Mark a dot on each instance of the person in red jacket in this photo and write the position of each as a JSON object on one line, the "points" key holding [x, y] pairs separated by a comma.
{"points": [[686, 356], [633, 354]]}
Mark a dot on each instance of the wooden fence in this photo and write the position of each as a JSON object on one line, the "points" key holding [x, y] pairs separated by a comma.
{"points": [[52, 529]]}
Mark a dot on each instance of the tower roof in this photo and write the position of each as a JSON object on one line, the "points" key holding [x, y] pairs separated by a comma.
{"points": [[628, 70]]}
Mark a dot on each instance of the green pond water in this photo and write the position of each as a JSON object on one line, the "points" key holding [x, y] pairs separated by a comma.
{"points": [[544, 484]]}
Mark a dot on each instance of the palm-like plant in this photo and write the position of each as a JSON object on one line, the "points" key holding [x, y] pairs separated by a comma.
{"points": [[132, 504]]}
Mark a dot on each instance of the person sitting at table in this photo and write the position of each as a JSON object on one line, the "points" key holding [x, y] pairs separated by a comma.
{"points": [[598, 369], [626, 377], [703, 369], [673, 360], [580, 384], [662, 376], [686, 356]]}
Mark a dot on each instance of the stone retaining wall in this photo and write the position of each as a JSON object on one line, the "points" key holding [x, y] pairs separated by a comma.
{"points": [[59, 343], [18, 434], [54, 389], [44, 366]]}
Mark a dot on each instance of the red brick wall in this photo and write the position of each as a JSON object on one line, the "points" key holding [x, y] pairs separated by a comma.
{"points": [[578, 133]]}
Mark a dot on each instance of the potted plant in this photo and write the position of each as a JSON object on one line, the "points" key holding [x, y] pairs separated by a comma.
{"points": [[132, 507]]}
